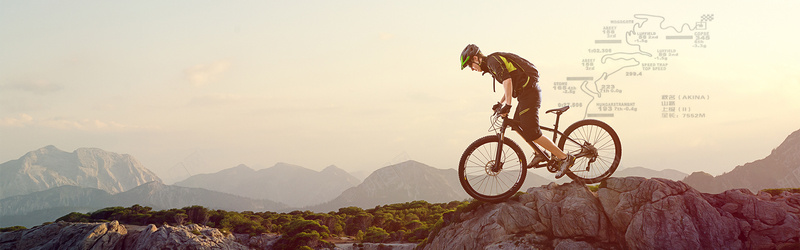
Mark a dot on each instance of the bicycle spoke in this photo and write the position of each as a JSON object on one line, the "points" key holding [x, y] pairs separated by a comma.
{"points": [[482, 180], [512, 178]]}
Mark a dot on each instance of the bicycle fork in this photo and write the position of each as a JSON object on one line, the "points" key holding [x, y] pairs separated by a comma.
{"points": [[498, 163]]}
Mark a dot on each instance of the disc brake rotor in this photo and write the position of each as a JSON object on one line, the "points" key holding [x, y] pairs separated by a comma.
{"points": [[492, 169]]}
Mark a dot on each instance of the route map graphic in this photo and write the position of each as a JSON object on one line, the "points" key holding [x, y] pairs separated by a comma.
{"points": [[630, 51]]}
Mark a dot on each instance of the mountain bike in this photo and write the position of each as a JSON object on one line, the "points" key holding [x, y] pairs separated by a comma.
{"points": [[493, 168]]}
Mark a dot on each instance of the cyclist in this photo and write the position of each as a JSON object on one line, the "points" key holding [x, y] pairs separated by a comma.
{"points": [[519, 79]]}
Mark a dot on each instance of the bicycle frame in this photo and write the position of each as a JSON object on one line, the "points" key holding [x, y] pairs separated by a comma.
{"points": [[515, 125]]}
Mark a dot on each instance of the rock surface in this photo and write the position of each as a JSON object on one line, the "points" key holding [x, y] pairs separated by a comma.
{"points": [[626, 213], [112, 235]]}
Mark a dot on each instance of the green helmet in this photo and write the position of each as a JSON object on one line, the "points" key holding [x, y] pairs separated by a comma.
{"points": [[466, 55]]}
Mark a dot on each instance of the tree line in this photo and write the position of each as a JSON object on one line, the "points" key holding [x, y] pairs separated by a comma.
{"points": [[403, 222]]}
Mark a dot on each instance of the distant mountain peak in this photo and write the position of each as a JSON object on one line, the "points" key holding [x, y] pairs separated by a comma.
{"points": [[333, 169], [789, 147], [151, 186], [49, 149], [283, 165], [403, 182], [89, 150], [410, 163], [50, 167], [239, 168], [774, 171], [407, 167]]}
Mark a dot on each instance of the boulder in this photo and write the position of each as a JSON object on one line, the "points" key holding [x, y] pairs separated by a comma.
{"points": [[660, 213], [182, 237], [566, 215]]}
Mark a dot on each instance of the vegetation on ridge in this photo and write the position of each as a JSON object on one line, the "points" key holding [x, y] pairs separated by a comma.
{"points": [[402, 222], [411, 222], [779, 191]]}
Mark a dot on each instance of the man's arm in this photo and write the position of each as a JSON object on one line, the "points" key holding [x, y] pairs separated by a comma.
{"points": [[507, 87]]}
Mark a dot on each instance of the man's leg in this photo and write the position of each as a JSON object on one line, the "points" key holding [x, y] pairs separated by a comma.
{"points": [[548, 144], [564, 161], [528, 114]]}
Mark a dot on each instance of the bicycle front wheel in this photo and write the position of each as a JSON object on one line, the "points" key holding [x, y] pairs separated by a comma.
{"points": [[598, 148], [480, 175]]}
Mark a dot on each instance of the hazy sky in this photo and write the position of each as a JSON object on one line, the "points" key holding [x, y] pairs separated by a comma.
{"points": [[207, 85]]}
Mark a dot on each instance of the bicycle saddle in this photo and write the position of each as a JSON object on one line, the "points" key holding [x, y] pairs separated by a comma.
{"points": [[558, 111]]}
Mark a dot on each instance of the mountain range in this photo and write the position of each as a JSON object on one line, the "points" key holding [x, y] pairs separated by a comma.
{"points": [[35, 208], [285, 183], [780, 169], [48, 183], [669, 174]]}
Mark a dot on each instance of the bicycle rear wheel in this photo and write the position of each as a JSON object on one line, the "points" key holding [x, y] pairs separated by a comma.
{"points": [[600, 147], [479, 176]]}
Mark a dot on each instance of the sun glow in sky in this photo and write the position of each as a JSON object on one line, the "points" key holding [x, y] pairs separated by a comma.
{"points": [[206, 85]]}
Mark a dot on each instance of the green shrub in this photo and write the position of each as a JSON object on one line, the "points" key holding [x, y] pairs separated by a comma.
{"points": [[238, 223], [376, 235], [516, 196], [75, 217], [12, 229], [350, 210], [301, 233], [779, 191]]}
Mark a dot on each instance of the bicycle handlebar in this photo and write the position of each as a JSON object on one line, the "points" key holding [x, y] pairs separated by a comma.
{"points": [[498, 123]]}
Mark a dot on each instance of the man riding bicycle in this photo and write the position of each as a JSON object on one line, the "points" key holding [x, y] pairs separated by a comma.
{"points": [[519, 78]]}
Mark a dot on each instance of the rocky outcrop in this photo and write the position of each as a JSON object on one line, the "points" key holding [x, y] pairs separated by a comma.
{"points": [[626, 213], [180, 237], [112, 235]]}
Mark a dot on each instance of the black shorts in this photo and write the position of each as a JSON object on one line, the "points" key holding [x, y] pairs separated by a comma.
{"points": [[527, 114]]}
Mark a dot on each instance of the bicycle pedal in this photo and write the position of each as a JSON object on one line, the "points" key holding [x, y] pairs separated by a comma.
{"points": [[536, 160]]}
